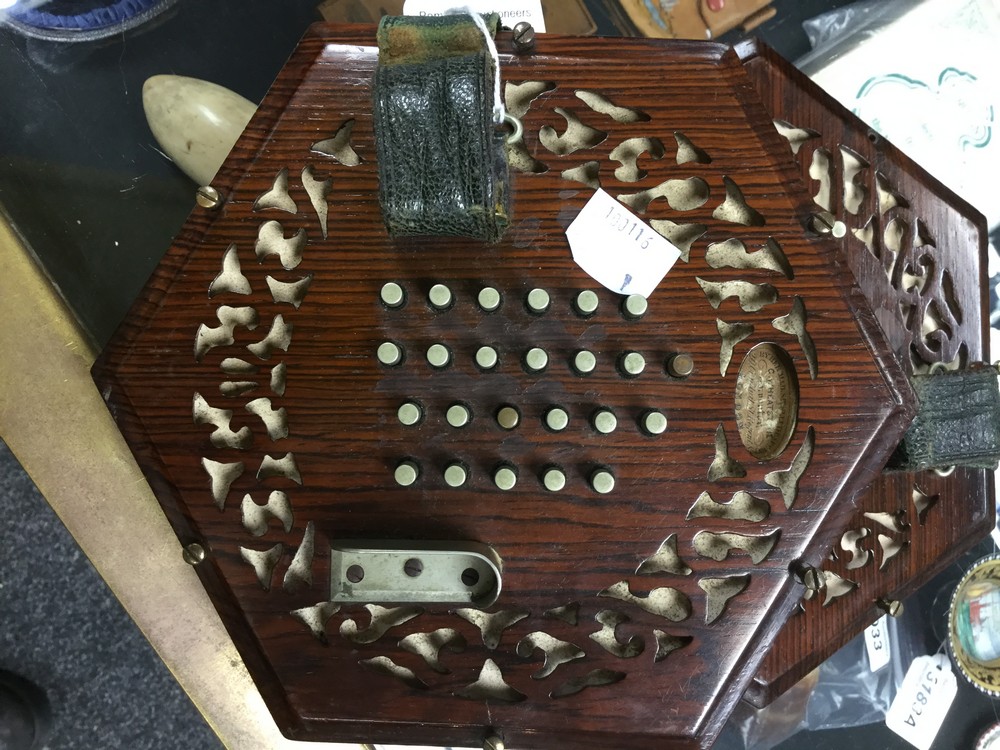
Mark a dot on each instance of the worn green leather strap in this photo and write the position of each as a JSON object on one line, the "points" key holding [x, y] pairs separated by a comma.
{"points": [[442, 162], [957, 422]]}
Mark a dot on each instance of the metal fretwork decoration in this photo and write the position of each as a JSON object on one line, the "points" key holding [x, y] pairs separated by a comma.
{"points": [[918, 252], [442, 490]]}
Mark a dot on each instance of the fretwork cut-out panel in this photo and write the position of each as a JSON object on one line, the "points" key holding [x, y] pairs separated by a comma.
{"points": [[919, 254], [647, 474]]}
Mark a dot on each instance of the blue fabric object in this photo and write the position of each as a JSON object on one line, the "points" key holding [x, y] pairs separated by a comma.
{"points": [[94, 18]]}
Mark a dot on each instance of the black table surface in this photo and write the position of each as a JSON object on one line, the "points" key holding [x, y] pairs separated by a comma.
{"points": [[82, 180]]}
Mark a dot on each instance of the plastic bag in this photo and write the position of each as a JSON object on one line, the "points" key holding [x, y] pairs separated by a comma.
{"points": [[842, 692]]}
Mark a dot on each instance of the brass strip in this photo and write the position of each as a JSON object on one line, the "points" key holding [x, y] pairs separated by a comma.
{"points": [[56, 424]]}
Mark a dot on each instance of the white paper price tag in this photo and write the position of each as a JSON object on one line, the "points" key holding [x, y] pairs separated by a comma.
{"points": [[923, 700], [617, 248], [877, 644], [511, 12]]}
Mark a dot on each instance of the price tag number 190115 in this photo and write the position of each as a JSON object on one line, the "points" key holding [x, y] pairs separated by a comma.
{"points": [[627, 225]]}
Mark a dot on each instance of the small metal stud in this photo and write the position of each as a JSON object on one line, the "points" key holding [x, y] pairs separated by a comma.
{"points": [[892, 607], [604, 421], [536, 359], [458, 415], [486, 357], [584, 362], [389, 354], [586, 303], [493, 742], [556, 419], [438, 356], [632, 364], [505, 477], [392, 294], [554, 479], [653, 422], [808, 576], [208, 197], [602, 481], [680, 365], [440, 297], [538, 301], [634, 306], [508, 417], [824, 222], [523, 38], [406, 473], [410, 413], [193, 554], [489, 299], [455, 474]]}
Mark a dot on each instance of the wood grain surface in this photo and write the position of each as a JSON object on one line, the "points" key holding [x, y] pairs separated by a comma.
{"points": [[338, 406], [931, 298]]}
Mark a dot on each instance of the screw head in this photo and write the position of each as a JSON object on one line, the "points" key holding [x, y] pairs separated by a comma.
{"points": [[810, 577], [892, 607], [208, 197], [193, 553], [524, 37], [493, 743]]}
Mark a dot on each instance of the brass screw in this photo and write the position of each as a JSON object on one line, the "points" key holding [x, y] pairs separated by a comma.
{"points": [[825, 223], [493, 742], [193, 553], [524, 38], [892, 607], [809, 577], [208, 197]]}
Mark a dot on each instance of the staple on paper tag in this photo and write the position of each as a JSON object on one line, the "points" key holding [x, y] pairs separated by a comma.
{"points": [[618, 249]]}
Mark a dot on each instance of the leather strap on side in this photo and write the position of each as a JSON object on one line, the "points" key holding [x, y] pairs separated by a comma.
{"points": [[957, 422]]}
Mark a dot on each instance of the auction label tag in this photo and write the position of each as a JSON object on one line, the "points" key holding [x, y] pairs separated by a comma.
{"points": [[617, 249], [511, 13], [923, 700], [877, 644]]}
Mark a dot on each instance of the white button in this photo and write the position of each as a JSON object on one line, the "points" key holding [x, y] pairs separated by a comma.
{"points": [[389, 353], [586, 302], [458, 415], [489, 299], [410, 413], [505, 478], [455, 475], [406, 473], [654, 422], [584, 362], [392, 294], [538, 300], [633, 364], [486, 357], [438, 355], [605, 421], [536, 359], [602, 481], [635, 306], [556, 419], [554, 479], [439, 296]]}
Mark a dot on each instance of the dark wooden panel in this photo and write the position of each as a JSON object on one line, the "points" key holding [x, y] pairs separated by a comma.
{"points": [[339, 405], [929, 293]]}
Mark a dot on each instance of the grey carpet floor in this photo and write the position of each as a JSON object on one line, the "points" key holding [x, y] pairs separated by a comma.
{"points": [[63, 629]]}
